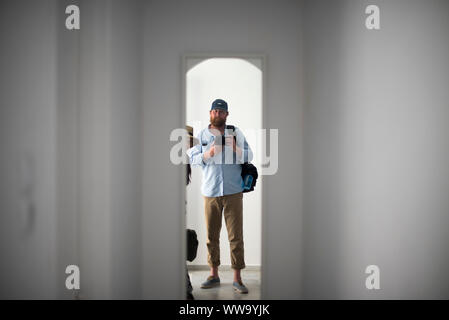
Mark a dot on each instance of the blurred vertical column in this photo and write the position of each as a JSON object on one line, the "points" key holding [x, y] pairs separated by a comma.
{"points": [[68, 144], [109, 153], [28, 140]]}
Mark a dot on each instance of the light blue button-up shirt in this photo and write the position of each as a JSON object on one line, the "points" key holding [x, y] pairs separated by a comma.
{"points": [[222, 172]]}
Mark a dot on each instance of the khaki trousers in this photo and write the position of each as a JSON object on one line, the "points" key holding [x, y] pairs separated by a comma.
{"points": [[232, 207]]}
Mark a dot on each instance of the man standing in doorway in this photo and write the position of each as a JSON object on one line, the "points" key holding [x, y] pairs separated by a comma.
{"points": [[220, 152]]}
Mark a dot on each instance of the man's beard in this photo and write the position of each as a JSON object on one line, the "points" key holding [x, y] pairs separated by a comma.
{"points": [[217, 121]]}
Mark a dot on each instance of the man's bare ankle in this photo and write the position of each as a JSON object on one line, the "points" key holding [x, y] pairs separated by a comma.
{"points": [[214, 273]]}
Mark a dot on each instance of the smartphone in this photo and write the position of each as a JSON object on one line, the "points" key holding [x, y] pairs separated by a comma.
{"points": [[219, 140]]}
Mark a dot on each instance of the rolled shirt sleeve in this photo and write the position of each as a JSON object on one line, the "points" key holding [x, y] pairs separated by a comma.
{"points": [[195, 154]]}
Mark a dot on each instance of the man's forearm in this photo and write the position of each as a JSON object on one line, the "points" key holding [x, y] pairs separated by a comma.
{"points": [[238, 151], [207, 155]]}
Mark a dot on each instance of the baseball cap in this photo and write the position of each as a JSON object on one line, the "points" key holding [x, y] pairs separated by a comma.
{"points": [[219, 104]]}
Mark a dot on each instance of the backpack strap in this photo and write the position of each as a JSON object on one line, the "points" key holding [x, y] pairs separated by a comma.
{"points": [[231, 127], [233, 130], [235, 137]]}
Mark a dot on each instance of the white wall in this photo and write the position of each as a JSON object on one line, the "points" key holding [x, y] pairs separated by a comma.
{"points": [[375, 135], [173, 29], [238, 82], [98, 74], [376, 149]]}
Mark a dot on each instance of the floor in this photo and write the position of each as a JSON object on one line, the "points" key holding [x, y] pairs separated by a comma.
{"points": [[251, 279]]}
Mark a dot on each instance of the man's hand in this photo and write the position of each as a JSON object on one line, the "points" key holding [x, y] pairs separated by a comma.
{"points": [[212, 151]]}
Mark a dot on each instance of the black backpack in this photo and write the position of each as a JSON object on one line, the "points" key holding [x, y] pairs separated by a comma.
{"points": [[247, 168], [192, 245]]}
